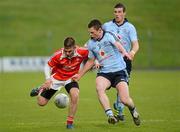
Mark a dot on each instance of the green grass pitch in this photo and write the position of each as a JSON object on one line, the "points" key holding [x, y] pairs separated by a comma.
{"points": [[156, 94]]}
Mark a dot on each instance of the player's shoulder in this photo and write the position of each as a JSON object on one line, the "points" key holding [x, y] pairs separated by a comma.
{"points": [[82, 50], [90, 43], [57, 53], [129, 24], [108, 23], [110, 34]]}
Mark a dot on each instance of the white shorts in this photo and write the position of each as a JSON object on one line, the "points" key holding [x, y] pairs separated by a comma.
{"points": [[57, 85]]}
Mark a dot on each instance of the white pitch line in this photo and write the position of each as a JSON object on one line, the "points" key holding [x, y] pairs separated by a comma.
{"points": [[160, 120]]}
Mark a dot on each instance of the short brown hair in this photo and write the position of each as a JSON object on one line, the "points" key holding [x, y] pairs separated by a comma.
{"points": [[69, 42], [96, 24], [120, 5]]}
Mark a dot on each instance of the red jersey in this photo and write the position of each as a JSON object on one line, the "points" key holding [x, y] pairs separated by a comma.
{"points": [[64, 68]]}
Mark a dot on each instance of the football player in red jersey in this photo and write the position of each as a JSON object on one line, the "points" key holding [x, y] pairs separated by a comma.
{"points": [[58, 71]]}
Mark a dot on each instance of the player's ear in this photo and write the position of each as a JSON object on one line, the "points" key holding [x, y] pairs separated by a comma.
{"points": [[100, 29], [124, 13], [77, 46]]}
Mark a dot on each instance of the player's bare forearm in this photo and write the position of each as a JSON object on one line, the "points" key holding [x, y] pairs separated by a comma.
{"points": [[89, 64], [86, 68], [134, 50], [122, 50], [120, 47], [135, 47], [47, 84]]}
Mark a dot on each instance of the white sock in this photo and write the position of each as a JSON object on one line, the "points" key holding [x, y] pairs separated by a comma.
{"points": [[109, 112]]}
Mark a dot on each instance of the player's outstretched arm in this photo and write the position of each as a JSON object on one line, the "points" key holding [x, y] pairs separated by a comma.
{"points": [[47, 72], [89, 64], [122, 50], [134, 50], [47, 84]]}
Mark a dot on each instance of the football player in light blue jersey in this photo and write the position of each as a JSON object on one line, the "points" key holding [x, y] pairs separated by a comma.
{"points": [[106, 53], [127, 35], [104, 47]]}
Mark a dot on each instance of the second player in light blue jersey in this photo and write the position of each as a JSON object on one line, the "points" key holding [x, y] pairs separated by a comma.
{"points": [[126, 32], [104, 47]]}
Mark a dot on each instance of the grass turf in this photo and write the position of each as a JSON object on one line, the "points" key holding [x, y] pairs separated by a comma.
{"points": [[156, 94]]}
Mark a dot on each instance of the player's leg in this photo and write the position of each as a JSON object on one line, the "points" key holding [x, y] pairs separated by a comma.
{"points": [[46, 85], [44, 96], [102, 84], [73, 90], [123, 91], [119, 109], [35, 91], [118, 105]]}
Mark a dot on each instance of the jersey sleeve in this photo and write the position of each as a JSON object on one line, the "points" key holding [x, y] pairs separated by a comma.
{"points": [[133, 33], [90, 54], [84, 52], [104, 26], [112, 38], [53, 61]]}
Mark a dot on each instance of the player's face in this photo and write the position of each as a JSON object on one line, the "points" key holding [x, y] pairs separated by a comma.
{"points": [[119, 15], [95, 34], [69, 52]]}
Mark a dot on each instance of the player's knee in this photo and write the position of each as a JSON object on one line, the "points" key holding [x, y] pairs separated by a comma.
{"points": [[75, 96], [99, 86], [100, 91], [42, 101]]}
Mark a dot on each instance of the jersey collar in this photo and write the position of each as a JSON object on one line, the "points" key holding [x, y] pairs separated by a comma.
{"points": [[102, 36], [125, 20]]}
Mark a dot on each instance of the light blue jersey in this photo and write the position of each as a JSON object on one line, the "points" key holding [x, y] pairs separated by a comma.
{"points": [[126, 32], [106, 53]]}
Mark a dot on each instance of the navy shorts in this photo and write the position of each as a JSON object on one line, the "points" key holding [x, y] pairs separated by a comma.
{"points": [[115, 77], [50, 92]]}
